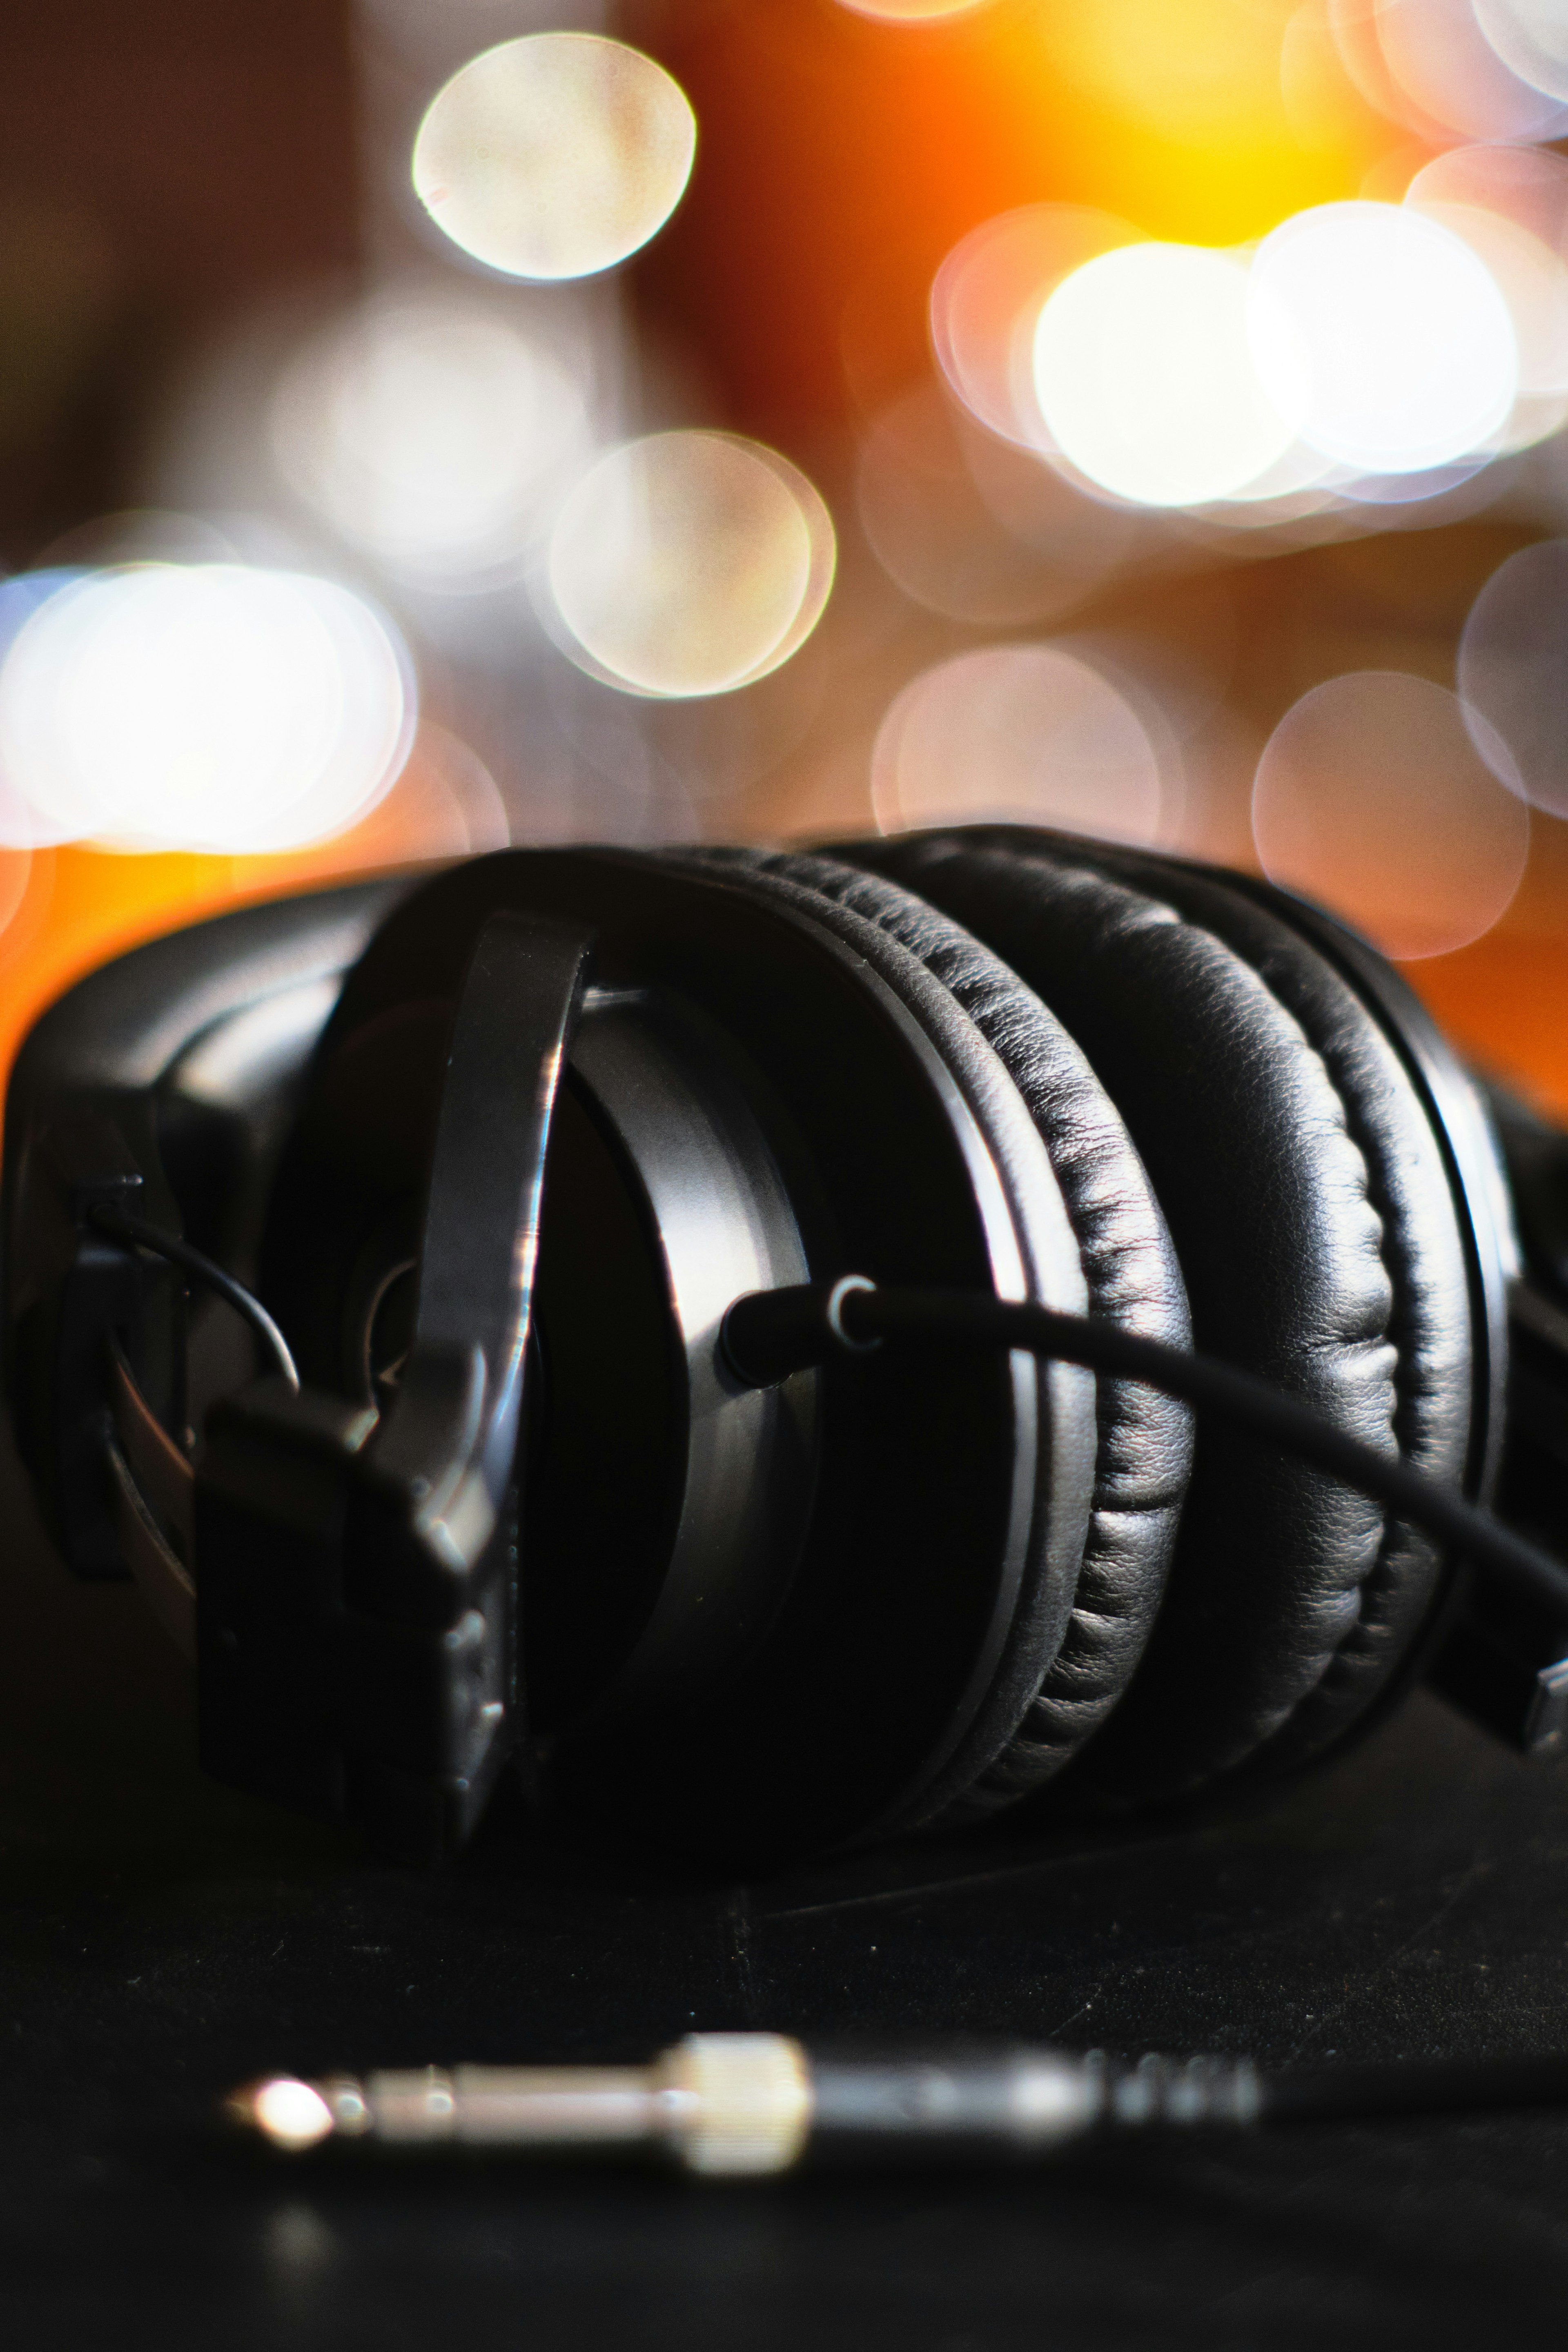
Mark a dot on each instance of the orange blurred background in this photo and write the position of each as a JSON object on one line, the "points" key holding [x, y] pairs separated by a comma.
{"points": [[170, 172]]}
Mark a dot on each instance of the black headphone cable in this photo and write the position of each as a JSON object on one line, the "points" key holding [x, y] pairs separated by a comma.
{"points": [[769, 1334], [121, 1226], [738, 2104]]}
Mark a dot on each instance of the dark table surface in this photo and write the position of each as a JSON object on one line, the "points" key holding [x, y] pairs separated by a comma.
{"points": [[163, 1938]]}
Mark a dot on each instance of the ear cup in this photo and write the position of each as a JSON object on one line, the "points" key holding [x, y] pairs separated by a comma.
{"points": [[1065, 1670], [886, 1664], [1305, 1188]]}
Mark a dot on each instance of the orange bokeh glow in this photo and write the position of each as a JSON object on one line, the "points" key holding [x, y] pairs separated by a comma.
{"points": [[82, 906], [841, 157]]}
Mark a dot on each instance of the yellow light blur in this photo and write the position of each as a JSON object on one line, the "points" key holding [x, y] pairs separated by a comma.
{"points": [[1204, 121], [1023, 733], [1145, 377], [1371, 796], [205, 706], [555, 155], [1322, 103], [690, 564], [1204, 67], [425, 429]]}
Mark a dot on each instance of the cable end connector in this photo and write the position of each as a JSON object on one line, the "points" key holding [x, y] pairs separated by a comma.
{"points": [[722, 2104], [769, 1334]]}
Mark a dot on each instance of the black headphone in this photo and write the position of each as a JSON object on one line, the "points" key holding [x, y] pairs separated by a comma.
{"points": [[492, 1154]]}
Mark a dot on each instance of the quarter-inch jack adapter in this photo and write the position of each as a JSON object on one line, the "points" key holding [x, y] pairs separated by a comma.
{"points": [[737, 2104]]}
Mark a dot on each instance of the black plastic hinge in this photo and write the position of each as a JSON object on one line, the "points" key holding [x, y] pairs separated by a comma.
{"points": [[395, 1718]]}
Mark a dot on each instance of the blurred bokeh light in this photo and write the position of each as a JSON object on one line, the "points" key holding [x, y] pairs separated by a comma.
{"points": [[1454, 78], [556, 156], [1531, 36], [425, 429], [690, 564], [208, 706], [1146, 378], [1370, 796], [1029, 734], [1384, 333], [1513, 673], [966, 532], [986, 300], [1149, 419]]}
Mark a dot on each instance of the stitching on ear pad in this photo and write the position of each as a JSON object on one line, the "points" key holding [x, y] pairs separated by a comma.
{"points": [[1072, 1675], [1290, 1603]]}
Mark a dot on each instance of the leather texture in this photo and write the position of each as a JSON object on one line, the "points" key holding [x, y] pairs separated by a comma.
{"points": [[1068, 1668], [1423, 1248], [1295, 1166]]}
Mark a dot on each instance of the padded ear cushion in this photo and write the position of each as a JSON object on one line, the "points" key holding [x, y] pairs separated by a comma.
{"points": [[1303, 1185], [1068, 1669], [1436, 1374]]}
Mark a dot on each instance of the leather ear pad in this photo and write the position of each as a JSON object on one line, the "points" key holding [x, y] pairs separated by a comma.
{"points": [[1310, 1208], [1068, 1670], [1440, 1372]]}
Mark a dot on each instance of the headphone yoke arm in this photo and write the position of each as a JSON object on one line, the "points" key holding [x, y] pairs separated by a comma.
{"points": [[357, 1601]]}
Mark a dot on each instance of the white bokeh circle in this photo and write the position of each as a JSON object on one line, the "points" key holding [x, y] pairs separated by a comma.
{"points": [[1510, 205], [1384, 334], [690, 564], [1441, 57], [1531, 36], [1028, 733], [203, 707], [556, 156], [426, 429], [1146, 379]]}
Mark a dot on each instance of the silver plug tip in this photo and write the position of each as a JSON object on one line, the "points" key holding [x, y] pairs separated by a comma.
{"points": [[287, 2113]]}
